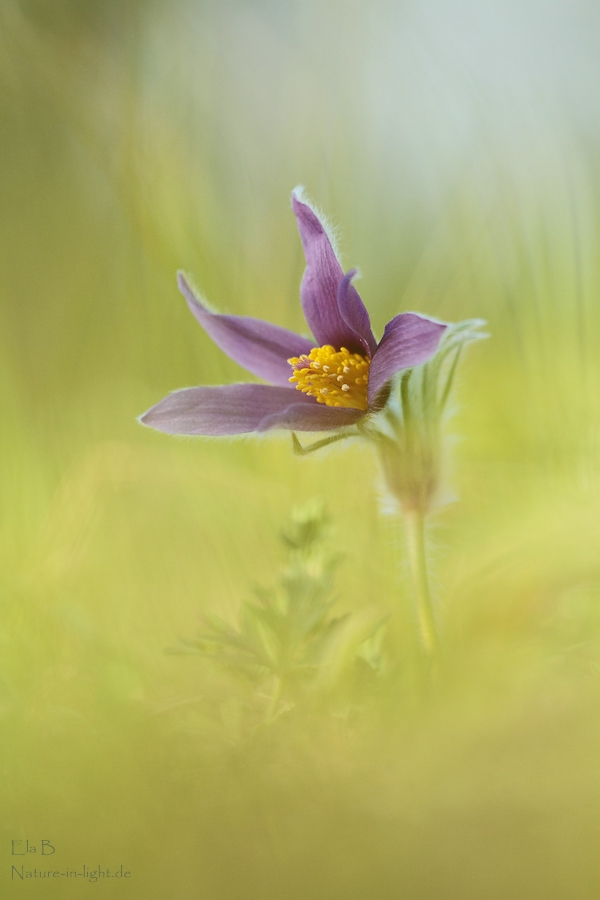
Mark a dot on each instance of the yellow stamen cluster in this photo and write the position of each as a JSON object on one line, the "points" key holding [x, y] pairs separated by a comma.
{"points": [[334, 377]]}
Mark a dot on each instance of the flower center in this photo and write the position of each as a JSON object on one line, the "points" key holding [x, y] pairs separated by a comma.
{"points": [[334, 377]]}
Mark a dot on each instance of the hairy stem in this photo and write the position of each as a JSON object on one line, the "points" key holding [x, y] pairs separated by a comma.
{"points": [[415, 539]]}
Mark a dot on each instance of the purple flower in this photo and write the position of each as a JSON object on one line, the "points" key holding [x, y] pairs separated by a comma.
{"points": [[324, 384]]}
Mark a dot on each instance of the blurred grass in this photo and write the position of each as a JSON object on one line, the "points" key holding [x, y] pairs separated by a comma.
{"points": [[138, 138]]}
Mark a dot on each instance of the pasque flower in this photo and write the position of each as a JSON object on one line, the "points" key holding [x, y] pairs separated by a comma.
{"points": [[331, 382]]}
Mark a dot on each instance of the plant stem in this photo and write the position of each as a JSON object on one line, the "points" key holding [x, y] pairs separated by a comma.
{"points": [[272, 710], [415, 539]]}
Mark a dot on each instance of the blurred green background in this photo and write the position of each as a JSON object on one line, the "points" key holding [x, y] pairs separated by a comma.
{"points": [[456, 145]]}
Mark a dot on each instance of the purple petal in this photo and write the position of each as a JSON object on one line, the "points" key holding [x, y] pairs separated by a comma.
{"points": [[354, 312], [319, 288], [312, 417], [408, 340], [260, 347], [241, 408]]}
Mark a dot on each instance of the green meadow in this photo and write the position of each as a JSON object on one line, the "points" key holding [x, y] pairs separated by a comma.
{"points": [[455, 150]]}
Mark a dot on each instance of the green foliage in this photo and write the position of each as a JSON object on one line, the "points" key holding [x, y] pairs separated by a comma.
{"points": [[408, 434], [287, 633]]}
